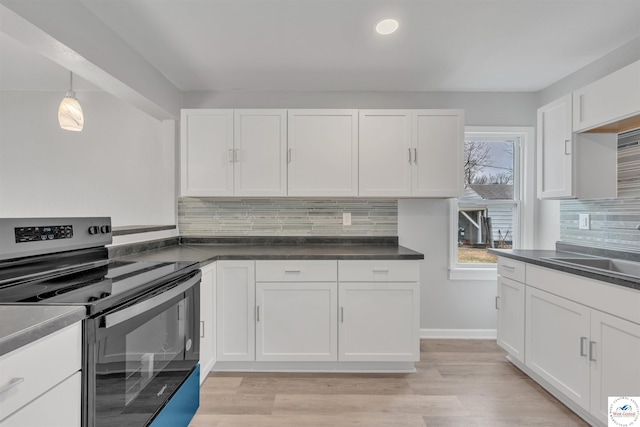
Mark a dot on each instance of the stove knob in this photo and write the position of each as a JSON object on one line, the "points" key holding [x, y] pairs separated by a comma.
{"points": [[94, 229], [105, 294], [105, 229]]}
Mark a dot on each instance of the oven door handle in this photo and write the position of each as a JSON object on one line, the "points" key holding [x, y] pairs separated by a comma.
{"points": [[149, 304]]}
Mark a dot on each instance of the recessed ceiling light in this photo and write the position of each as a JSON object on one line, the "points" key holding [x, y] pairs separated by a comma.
{"points": [[387, 26]]}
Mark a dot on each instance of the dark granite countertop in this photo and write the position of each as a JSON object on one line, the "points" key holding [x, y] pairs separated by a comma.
{"points": [[21, 325], [537, 257], [205, 250], [134, 229]]}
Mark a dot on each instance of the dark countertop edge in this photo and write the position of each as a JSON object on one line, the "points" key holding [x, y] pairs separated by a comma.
{"points": [[135, 229], [290, 240], [533, 257], [250, 257], [140, 247], [41, 329]]}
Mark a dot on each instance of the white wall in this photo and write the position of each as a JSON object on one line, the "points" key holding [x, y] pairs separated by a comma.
{"points": [[121, 165]]}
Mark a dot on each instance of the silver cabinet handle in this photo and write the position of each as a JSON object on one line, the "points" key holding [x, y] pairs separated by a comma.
{"points": [[508, 267], [293, 271], [497, 307], [583, 341], [257, 313], [592, 351], [202, 329], [13, 382], [415, 155], [341, 314], [231, 155], [567, 147], [409, 154], [380, 270], [289, 155]]}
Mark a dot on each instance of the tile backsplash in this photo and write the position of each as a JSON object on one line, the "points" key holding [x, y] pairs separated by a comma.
{"points": [[613, 223], [286, 217]]}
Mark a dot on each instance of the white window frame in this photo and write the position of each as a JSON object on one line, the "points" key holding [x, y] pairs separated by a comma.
{"points": [[524, 202]]}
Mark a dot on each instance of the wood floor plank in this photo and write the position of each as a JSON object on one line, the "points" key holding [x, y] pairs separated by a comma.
{"points": [[366, 404], [457, 383]]}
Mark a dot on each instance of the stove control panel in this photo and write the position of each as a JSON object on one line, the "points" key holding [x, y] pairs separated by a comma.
{"points": [[44, 232]]}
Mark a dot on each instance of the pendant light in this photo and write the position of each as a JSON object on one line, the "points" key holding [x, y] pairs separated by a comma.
{"points": [[70, 114]]}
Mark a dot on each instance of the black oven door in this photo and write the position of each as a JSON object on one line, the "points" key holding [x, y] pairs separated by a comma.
{"points": [[139, 354]]}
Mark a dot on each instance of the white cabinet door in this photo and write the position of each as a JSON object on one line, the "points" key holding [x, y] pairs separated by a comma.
{"points": [[207, 324], [323, 153], [556, 343], [379, 321], [611, 98], [235, 311], [555, 160], [386, 156], [58, 407], [511, 311], [438, 139], [296, 322], [614, 351], [206, 152], [260, 153]]}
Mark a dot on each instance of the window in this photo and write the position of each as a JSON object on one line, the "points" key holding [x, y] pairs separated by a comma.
{"points": [[489, 214]]}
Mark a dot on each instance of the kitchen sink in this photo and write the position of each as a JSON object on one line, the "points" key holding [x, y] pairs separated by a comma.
{"points": [[606, 265]]}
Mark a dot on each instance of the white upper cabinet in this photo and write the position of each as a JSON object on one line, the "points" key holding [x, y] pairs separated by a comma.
{"points": [[233, 153], [437, 145], [567, 160], [555, 164], [260, 147], [385, 153], [323, 153], [411, 153], [613, 101], [206, 152]]}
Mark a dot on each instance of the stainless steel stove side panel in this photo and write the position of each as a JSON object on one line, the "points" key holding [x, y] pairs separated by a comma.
{"points": [[81, 239]]}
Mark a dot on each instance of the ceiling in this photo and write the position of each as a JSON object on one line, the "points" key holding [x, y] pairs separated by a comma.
{"points": [[331, 45]]}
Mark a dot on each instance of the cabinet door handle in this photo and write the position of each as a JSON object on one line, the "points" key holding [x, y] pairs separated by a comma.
{"points": [[293, 271], [415, 155], [230, 155], [592, 351], [497, 307], [380, 270], [508, 267], [583, 341], [289, 155], [409, 154], [13, 382], [341, 314], [257, 313], [202, 329], [567, 147]]}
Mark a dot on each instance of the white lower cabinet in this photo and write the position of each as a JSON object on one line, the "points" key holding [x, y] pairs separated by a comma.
{"points": [[615, 356], [296, 322], [41, 381], [511, 309], [235, 309], [59, 407], [557, 341], [316, 314], [378, 322], [207, 320]]}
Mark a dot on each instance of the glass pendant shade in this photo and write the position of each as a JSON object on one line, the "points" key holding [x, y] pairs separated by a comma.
{"points": [[70, 114]]}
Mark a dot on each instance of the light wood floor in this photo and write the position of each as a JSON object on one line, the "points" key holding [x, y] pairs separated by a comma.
{"points": [[461, 383]]}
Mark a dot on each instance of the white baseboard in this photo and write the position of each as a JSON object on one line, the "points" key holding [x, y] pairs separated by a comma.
{"points": [[469, 334]]}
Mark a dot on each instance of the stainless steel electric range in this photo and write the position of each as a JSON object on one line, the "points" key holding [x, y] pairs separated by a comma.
{"points": [[140, 339]]}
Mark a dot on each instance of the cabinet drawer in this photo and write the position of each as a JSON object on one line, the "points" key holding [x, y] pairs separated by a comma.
{"points": [[379, 271], [296, 271], [38, 367], [511, 269]]}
